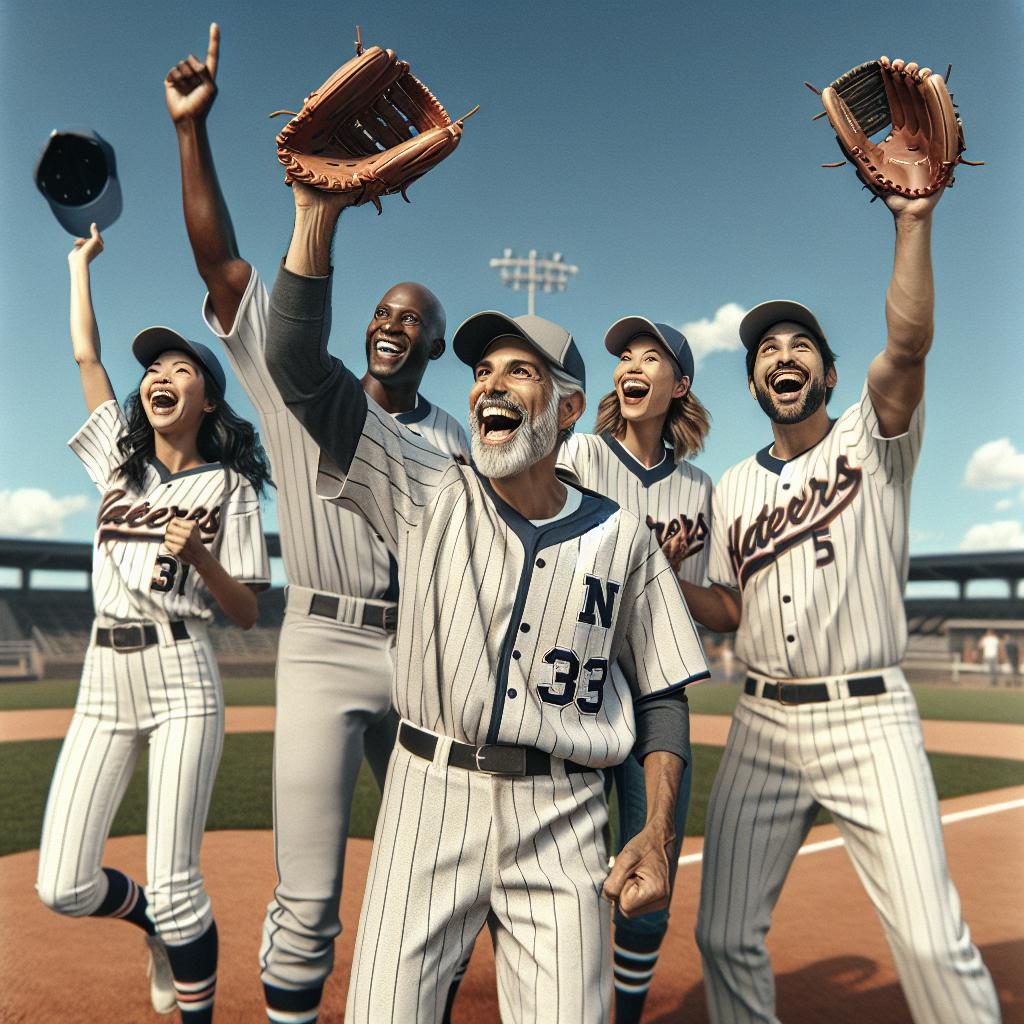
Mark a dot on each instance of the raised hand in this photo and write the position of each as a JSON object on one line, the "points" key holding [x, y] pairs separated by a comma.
{"points": [[190, 86], [86, 249]]}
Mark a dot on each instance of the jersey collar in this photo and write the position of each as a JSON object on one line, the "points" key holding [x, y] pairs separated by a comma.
{"points": [[420, 411], [593, 509], [646, 476], [166, 475], [768, 461]]}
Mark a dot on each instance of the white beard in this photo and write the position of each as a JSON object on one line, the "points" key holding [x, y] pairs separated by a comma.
{"points": [[532, 441]]}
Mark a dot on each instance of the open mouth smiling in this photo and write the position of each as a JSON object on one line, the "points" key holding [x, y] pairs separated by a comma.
{"points": [[634, 389], [498, 422], [162, 400], [387, 349], [787, 381]]}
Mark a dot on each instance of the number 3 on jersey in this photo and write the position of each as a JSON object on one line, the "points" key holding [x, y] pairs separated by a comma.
{"points": [[566, 671], [165, 571]]}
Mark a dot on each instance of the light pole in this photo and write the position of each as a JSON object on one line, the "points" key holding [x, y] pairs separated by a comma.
{"points": [[549, 272]]}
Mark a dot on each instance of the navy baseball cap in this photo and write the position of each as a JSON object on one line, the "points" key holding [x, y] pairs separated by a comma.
{"points": [[148, 344], [553, 342], [763, 316], [623, 331], [77, 173]]}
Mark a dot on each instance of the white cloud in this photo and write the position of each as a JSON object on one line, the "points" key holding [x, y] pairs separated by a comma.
{"points": [[1002, 535], [1004, 504], [995, 466], [719, 334], [33, 512]]}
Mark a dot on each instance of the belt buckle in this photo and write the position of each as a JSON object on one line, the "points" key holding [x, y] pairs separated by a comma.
{"points": [[391, 618], [131, 637], [780, 690], [480, 754]]}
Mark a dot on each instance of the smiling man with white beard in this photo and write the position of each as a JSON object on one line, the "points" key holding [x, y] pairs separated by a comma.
{"points": [[525, 664]]}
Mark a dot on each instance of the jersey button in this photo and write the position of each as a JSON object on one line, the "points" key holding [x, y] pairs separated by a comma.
{"points": [[790, 638], [516, 655], [511, 694], [786, 599], [541, 563], [785, 487], [524, 627]]}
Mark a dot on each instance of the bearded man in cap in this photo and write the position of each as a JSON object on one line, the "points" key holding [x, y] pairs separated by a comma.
{"points": [[525, 665]]}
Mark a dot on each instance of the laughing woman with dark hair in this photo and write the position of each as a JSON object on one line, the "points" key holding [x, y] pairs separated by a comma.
{"points": [[178, 532], [647, 426]]}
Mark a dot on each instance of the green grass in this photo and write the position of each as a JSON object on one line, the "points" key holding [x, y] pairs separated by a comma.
{"points": [[242, 794], [248, 691], [939, 702]]}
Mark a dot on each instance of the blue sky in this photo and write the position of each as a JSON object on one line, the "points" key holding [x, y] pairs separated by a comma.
{"points": [[667, 150]]}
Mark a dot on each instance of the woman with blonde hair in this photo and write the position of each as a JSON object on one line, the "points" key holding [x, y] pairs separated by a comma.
{"points": [[647, 427]]}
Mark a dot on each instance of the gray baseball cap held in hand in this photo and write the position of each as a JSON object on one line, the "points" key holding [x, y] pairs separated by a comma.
{"points": [[553, 342], [77, 174]]}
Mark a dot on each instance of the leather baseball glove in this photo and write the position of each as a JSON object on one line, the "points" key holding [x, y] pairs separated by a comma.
{"points": [[925, 139], [370, 128]]}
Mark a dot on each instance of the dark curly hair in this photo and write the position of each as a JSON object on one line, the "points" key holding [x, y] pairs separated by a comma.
{"points": [[223, 437]]}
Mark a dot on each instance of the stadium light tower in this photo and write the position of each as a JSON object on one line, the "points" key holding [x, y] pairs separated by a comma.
{"points": [[547, 272]]}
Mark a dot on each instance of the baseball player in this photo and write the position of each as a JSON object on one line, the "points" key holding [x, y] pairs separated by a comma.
{"points": [[334, 665], [809, 560], [525, 662], [178, 529], [646, 428]]}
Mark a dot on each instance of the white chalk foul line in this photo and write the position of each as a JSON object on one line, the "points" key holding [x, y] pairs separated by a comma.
{"points": [[946, 819]]}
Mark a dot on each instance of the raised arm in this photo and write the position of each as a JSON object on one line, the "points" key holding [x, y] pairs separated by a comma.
{"points": [[896, 374], [85, 335], [324, 395], [190, 90]]}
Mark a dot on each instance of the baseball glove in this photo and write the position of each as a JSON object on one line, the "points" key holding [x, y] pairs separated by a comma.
{"points": [[371, 128], [925, 139]]}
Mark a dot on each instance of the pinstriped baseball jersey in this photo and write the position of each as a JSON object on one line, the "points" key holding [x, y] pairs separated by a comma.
{"points": [[818, 546], [323, 547], [509, 632], [670, 497], [133, 575]]}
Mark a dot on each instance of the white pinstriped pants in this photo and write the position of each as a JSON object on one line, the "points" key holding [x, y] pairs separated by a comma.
{"points": [[863, 760], [455, 849], [168, 697]]}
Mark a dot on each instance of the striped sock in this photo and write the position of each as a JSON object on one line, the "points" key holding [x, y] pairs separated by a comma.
{"points": [[634, 970], [292, 1006], [195, 976], [125, 899]]}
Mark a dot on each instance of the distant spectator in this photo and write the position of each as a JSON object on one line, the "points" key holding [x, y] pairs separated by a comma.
{"points": [[1012, 649], [728, 660], [989, 644]]}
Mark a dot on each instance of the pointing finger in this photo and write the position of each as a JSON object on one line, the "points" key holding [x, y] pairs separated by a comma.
{"points": [[213, 49]]}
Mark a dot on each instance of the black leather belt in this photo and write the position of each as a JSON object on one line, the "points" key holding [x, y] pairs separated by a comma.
{"points": [[814, 693], [381, 616], [136, 636], [494, 759]]}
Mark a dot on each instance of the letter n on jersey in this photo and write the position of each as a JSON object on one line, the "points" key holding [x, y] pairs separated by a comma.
{"points": [[598, 597]]}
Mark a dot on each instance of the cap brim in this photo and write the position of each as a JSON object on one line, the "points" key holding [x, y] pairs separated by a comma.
{"points": [[475, 333], [763, 316], [153, 341], [623, 331], [102, 211]]}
